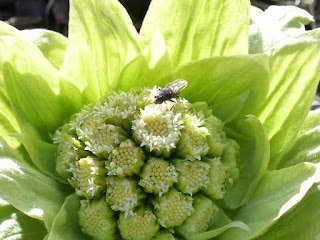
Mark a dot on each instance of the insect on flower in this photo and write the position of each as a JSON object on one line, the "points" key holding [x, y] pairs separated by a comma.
{"points": [[170, 90]]}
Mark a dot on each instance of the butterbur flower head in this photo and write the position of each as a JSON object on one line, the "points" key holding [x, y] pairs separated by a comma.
{"points": [[158, 129], [201, 218], [141, 225], [218, 178], [67, 153], [98, 140], [164, 235], [193, 144], [157, 176], [193, 175], [125, 160], [123, 194], [97, 219], [88, 177]]}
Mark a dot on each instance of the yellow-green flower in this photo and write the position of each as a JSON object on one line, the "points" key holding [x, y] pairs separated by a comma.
{"points": [[86, 152]]}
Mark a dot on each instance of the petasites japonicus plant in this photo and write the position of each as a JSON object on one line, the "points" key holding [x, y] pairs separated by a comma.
{"points": [[91, 149]]}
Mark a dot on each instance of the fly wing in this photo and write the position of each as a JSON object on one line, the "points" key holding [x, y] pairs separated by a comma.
{"points": [[177, 85]]}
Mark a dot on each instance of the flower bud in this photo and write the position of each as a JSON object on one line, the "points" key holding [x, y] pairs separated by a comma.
{"points": [[193, 142], [216, 138], [157, 176], [231, 157], [118, 108], [192, 175], [89, 177], [85, 122], [218, 178], [126, 160], [97, 219], [173, 208], [67, 153], [201, 218], [123, 194], [141, 225], [157, 128], [104, 139], [164, 235]]}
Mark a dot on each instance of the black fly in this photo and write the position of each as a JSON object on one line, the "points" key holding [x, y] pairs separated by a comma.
{"points": [[170, 90]]}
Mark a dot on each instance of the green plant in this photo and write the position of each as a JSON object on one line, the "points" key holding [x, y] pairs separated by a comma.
{"points": [[253, 108]]}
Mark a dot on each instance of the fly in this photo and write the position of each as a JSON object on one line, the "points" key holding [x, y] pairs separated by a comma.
{"points": [[170, 90]]}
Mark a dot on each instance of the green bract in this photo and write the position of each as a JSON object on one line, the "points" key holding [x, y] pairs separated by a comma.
{"points": [[244, 130]]}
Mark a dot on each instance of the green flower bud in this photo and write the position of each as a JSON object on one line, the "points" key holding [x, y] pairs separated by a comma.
{"points": [[123, 194], [85, 123], [201, 218], [193, 143], [104, 139], [157, 176], [218, 177], [183, 107], [201, 109], [173, 208], [192, 175], [164, 235], [141, 225], [231, 157], [118, 108], [125, 160], [67, 153], [89, 177], [217, 137], [158, 129], [97, 219]]}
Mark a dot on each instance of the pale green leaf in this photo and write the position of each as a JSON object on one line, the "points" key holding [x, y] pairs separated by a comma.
{"points": [[294, 69], [254, 159], [220, 80], [197, 29], [66, 225], [102, 40], [52, 44], [8, 123], [275, 25], [277, 193], [299, 224], [42, 154], [28, 189], [306, 147], [216, 232], [14, 225], [151, 67], [37, 95]]}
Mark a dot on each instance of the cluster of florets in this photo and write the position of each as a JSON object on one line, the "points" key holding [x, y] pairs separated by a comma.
{"points": [[146, 170]]}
